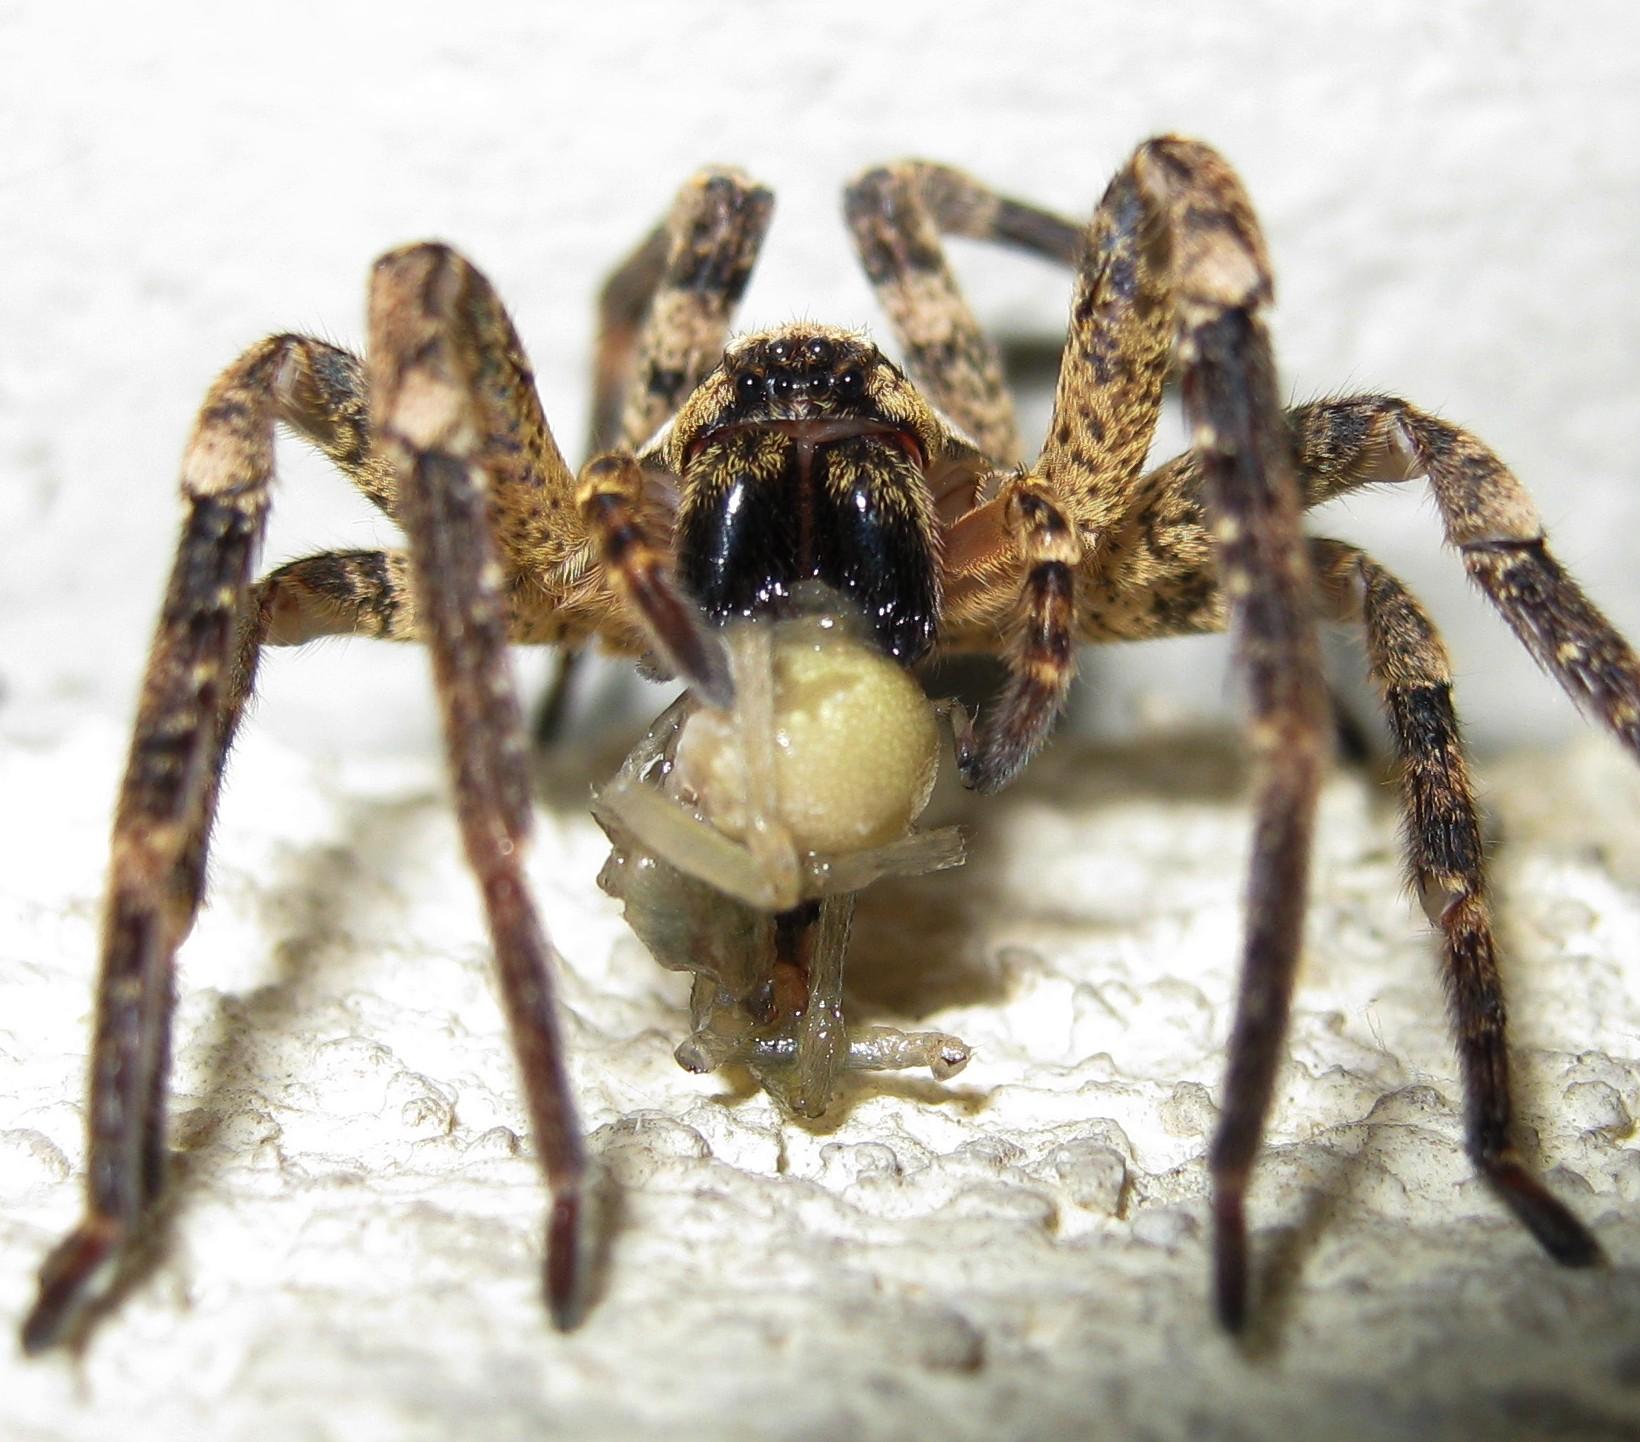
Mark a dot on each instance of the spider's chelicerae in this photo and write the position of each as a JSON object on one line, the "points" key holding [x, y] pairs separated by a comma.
{"points": [[796, 517]]}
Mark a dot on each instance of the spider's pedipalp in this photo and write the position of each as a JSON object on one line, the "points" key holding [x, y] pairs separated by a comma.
{"points": [[610, 501], [1041, 651]]}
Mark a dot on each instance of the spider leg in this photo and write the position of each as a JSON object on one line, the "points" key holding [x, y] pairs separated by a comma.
{"points": [[663, 318], [664, 314], [896, 214], [199, 674], [551, 713], [433, 319], [1491, 520], [1447, 869], [1105, 410], [1220, 280], [323, 399], [338, 593], [1174, 262]]}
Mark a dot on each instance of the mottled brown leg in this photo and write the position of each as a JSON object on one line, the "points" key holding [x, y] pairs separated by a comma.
{"points": [[610, 500], [1220, 281], [623, 305], [1105, 409], [199, 674], [665, 313], [663, 318], [1116, 358], [1496, 528], [431, 383], [338, 593], [1446, 864], [323, 399], [896, 214]]}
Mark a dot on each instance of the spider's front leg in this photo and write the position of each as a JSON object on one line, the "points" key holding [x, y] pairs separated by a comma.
{"points": [[454, 407], [1173, 261], [1221, 280], [447, 377], [198, 678]]}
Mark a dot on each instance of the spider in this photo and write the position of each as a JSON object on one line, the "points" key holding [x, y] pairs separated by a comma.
{"points": [[732, 480]]}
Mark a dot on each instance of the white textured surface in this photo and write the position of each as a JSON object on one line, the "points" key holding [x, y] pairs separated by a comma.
{"points": [[1020, 1253], [1453, 198]]}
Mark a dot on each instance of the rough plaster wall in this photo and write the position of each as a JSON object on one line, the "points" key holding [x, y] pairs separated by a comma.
{"points": [[1453, 200]]}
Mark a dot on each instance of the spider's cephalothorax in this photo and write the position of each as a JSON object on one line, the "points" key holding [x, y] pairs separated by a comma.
{"points": [[804, 458], [799, 461]]}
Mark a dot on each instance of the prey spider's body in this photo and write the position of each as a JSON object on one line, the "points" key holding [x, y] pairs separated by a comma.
{"points": [[727, 484]]}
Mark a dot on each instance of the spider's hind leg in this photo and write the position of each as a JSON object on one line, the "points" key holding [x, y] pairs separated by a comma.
{"points": [[1447, 870]]}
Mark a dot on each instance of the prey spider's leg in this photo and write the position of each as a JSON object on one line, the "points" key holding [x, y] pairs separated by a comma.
{"points": [[896, 214], [1447, 866], [431, 315], [1220, 281], [1496, 528], [199, 674], [665, 313]]}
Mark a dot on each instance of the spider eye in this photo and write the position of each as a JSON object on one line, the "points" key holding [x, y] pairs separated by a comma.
{"points": [[849, 384], [818, 352], [749, 387]]}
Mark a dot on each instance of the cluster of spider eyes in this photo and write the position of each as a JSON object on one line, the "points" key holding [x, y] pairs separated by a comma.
{"points": [[799, 370]]}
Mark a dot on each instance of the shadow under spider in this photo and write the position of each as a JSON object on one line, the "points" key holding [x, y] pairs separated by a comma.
{"points": [[312, 899]]}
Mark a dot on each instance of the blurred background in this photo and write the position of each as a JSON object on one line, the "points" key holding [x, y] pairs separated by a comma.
{"points": [[1452, 196]]}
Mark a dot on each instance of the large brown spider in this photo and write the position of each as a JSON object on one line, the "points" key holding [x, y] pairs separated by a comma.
{"points": [[728, 485]]}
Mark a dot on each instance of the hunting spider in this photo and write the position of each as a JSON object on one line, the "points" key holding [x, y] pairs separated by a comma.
{"points": [[728, 488]]}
